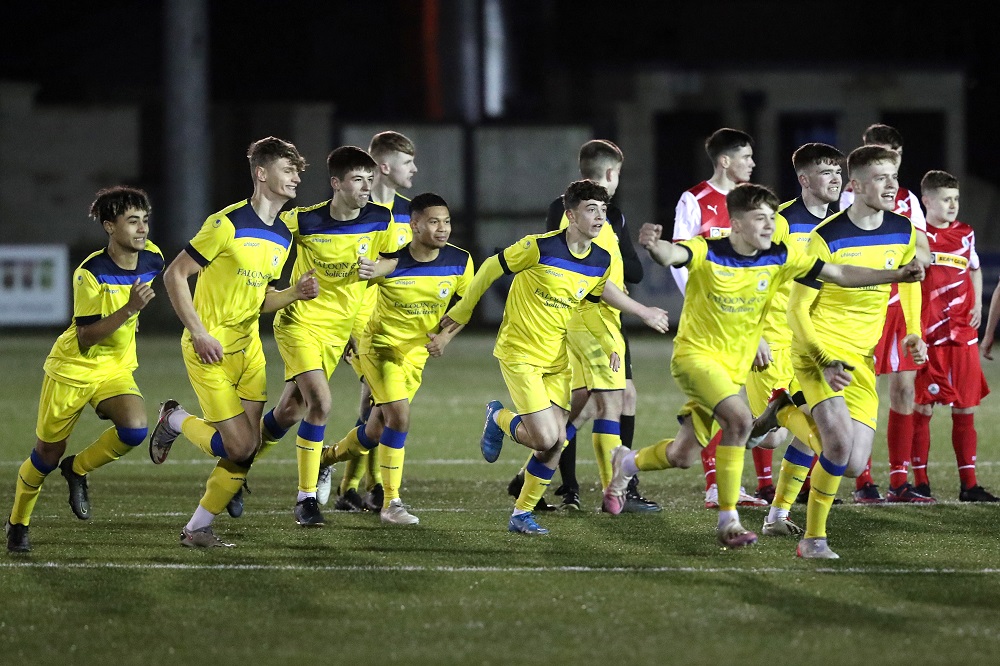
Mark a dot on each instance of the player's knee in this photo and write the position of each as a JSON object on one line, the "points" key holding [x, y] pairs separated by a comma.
{"points": [[132, 436]]}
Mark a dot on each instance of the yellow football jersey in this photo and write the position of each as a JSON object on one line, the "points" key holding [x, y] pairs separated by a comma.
{"points": [[399, 206], [608, 240], [100, 288]]}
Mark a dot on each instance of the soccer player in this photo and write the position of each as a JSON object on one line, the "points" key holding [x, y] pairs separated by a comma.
{"points": [[394, 155], [732, 279], [93, 360], [553, 274], [398, 339], [701, 211], [951, 313], [890, 357], [237, 254], [345, 241]]}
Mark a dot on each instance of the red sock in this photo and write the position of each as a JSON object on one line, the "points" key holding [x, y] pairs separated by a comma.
{"points": [[865, 477], [963, 439], [708, 460], [921, 447], [762, 461], [900, 439]]}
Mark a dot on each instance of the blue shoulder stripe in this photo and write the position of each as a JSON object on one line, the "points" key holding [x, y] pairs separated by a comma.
{"points": [[426, 270], [869, 240], [126, 279], [263, 234], [565, 264], [733, 260]]}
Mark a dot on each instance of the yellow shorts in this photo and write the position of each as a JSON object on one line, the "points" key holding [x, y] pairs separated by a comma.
{"points": [[779, 374], [60, 405], [860, 395], [392, 375], [221, 386], [707, 383], [591, 366], [303, 350], [534, 388]]}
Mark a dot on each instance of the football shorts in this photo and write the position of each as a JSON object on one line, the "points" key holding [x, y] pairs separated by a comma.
{"points": [[889, 353], [392, 375], [60, 405], [220, 387], [952, 376], [534, 388], [779, 374], [706, 383], [591, 366], [303, 349], [860, 395]]}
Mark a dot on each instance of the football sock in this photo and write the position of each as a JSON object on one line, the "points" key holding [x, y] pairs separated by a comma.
{"points": [[729, 470], [223, 483], [802, 426], [508, 422], [607, 437], [900, 439], [308, 448], [201, 518], [354, 445], [176, 419], [921, 447], [270, 434], [708, 460], [964, 441], [794, 470], [629, 467], [373, 466], [865, 477], [825, 481], [353, 473], [392, 452], [203, 435], [762, 459], [537, 478], [110, 446], [628, 429], [567, 462], [30, 478], [653, 457]]}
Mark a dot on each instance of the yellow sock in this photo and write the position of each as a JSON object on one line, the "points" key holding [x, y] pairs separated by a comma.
{"points": [[802, 426], [607, 436], [108, 448], [353, 472], [223, 483], [349, 448], [790, 480], [203, 434], [653, 457], [374, 468], [504, 418], [308, 450], [825, 481], [270, 434], [392, 445], [30, 478], [537, 478], [728, 473]]}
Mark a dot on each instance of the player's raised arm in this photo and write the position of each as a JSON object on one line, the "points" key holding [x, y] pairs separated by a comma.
{"points": [[89, 335], [847, 275], [663, 252]]}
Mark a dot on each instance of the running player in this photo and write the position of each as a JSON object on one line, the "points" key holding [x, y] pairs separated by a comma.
{"points": [[398, 339], [553, 274], [732, 280], [951, 314], [93, 360], [237, 254]]}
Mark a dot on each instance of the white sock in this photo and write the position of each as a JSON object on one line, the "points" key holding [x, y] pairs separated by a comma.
{"points": [[776, 514], [303, 495], [726, 517], [201, 518], [176, 419], [519, 512], [628, 464]]}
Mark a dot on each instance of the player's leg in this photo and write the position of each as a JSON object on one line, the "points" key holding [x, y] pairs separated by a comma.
{"points": [[836, 429], [921, 448], [392, 442], [734, 418], [544, 432], [314, 387], [969, 392], [899, 436]]}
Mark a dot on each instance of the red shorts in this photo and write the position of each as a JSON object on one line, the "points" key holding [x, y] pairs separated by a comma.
{"points": [[952, 376], [889, 355]]}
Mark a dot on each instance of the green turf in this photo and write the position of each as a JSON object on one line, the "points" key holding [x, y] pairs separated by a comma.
{"points": [[914, 583]]}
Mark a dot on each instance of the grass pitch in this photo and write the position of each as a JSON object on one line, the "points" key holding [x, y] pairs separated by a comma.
{"points": [[917, 583]]}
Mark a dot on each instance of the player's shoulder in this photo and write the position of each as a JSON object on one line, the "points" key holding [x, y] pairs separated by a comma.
{"points": [[95, 261], [150, 258], [896, 224], [374, 213], [453, 254], [836, 227], [962, 228], [787, 204], [700, 190], [720, 251], [401, 208]]}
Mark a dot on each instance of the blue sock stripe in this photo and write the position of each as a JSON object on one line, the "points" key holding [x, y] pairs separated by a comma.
{"points": [[310, 432], [513, 428], [132, 436], [607, 427], [39, 464], [831, 469], [796, 457], [394, 439], [570, 431], [271, 423], [365, 439], [217, 447], [536, 468]]}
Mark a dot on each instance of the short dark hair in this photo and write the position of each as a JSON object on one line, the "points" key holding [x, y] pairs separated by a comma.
{"points": [[597, 155], [345, 159], [882, 135], [387, 142], [263, 152], [935, 180], [815, 154], [422, 202], [864, 156], [583, 190], [726, 140], [749, 196], [114, 201]]}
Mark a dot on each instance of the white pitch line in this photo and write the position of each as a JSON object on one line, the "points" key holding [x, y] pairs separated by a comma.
{"points": [[165, 566]]}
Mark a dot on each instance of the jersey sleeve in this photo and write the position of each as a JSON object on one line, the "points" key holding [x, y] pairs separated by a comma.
{"points": [[86, 298], [818, 249], [917, 217], [973, 255], [215, 235], [465, 278], [521, 255], [910, 293], [687, 224], [781, 229], [291, 220], [698, 249], [631, 265]]}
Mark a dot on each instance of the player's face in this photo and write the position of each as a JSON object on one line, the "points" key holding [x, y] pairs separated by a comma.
{"points": [[281, 178], [399, 168], [755, 227], [942, 204], [824, 181], [128, 231], [740, 165], [588, 217], [355, 188], [877, 185], [432, 226]]}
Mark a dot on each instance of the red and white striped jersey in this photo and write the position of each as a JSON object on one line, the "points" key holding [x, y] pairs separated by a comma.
{"points": [[701, 211], [948, 295]]}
